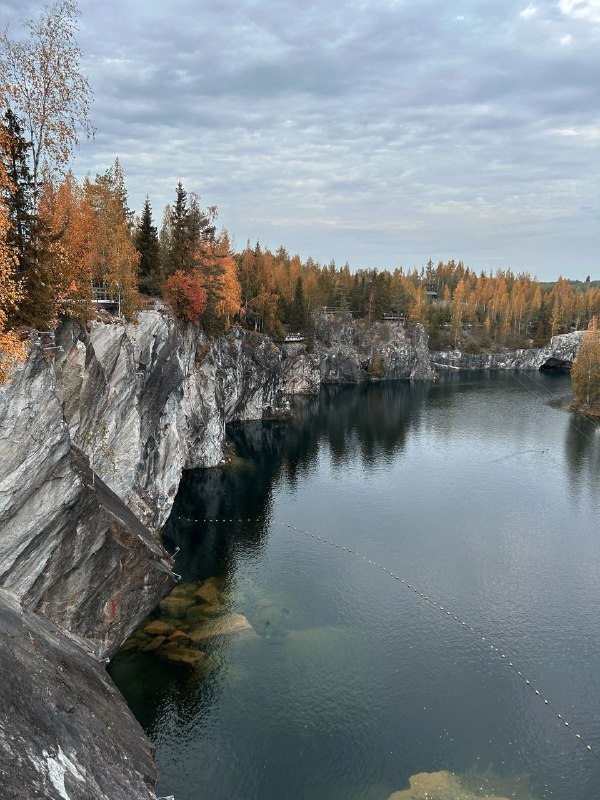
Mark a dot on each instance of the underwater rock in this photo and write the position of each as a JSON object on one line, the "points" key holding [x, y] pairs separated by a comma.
{"points": [[154, 644], [183, 655], [157, 628], [221, 626], [208, 592], [179, 636], [210, 610], [175, 606], [196, 615], [441, 785]]}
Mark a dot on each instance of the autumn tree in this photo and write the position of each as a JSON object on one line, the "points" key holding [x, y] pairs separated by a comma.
{"points": [[585, 374], [70, 257], [220, 281], [46, 89], [115, 259], [185, 294]]}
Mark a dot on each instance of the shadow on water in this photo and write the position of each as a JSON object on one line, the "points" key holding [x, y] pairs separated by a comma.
{"points": [[582, 447], [366, 423]]}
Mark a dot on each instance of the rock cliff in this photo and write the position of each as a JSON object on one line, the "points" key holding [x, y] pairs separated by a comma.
{"points": [[65, 731], [70, 549], [561, 352]]}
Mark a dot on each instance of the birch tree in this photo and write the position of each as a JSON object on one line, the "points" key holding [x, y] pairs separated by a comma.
{"points": [[45, 88]]}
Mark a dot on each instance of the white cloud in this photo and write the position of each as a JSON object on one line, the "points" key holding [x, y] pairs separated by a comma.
{"points": [[581, 9], [528, 12], [566, 40]]}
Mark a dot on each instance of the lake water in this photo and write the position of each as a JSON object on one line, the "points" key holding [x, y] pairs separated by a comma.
{"points": [[481, 491]]}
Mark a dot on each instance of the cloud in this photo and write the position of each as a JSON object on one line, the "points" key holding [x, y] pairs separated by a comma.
{"points": [[382, 133], [528, 12], [581, 9]]}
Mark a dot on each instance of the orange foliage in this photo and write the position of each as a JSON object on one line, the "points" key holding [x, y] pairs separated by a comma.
{"points": [[69, 219], [219, 276], [185, 292]]}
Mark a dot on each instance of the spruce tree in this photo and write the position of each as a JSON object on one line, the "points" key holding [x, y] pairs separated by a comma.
{"points": [[182, 240], [298, 309], [19, 194], [146, 243]]}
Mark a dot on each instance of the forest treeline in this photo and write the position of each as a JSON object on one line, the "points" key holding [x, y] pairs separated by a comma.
{"points": [[65, 244], [83, 235]]}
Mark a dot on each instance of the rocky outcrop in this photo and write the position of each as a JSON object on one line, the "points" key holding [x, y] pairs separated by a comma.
{"points": [[70, 549], [65, 731], [560, 353], [351, 351]]}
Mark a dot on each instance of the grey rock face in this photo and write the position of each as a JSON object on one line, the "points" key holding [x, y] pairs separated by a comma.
{"points": [[146, 401], [65, 731], [69, 548], [351, 351], [562, 350]]}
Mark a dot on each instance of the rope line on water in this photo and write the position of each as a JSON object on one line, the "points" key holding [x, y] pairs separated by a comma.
{"points": [[439, 606], [448, 613]]}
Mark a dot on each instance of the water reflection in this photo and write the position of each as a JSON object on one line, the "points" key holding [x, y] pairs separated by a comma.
{"points": [[582, 448], [368, 424]]}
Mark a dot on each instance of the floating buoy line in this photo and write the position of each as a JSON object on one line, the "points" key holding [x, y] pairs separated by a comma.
{"points": [[426, 598]]}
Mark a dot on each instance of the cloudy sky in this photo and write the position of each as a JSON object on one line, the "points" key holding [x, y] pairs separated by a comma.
{"points": [[378, 132]]}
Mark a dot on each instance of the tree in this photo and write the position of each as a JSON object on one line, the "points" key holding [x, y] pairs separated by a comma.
{"points": [[18, 191], [297, 318], [185, 293], [186, 228], [12, 350], [146, 243], [115, 257], [585, 374], [45, 87], [69, 259], [227, 295]]}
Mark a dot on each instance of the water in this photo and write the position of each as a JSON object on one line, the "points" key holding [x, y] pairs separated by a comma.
{"points": [[481, 491]]}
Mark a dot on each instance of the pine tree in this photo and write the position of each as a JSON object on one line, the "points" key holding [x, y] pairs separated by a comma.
{"points": [[298, 309], [146, 243], [18, 193]]}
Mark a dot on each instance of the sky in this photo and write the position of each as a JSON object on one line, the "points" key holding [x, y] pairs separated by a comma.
{"points": [[381, 133]]}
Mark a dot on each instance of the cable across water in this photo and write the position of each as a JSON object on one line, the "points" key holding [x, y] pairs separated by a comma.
{"points": [[436, 604]]}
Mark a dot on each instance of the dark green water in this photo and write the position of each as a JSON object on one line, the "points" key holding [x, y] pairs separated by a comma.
{"points": [[478, 490]]}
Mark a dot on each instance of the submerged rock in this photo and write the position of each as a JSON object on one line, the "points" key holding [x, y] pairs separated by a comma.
{"points": [[157, 628], [225, 625], [440, 786], [208, 592], [185, 656], [175, 606]]}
